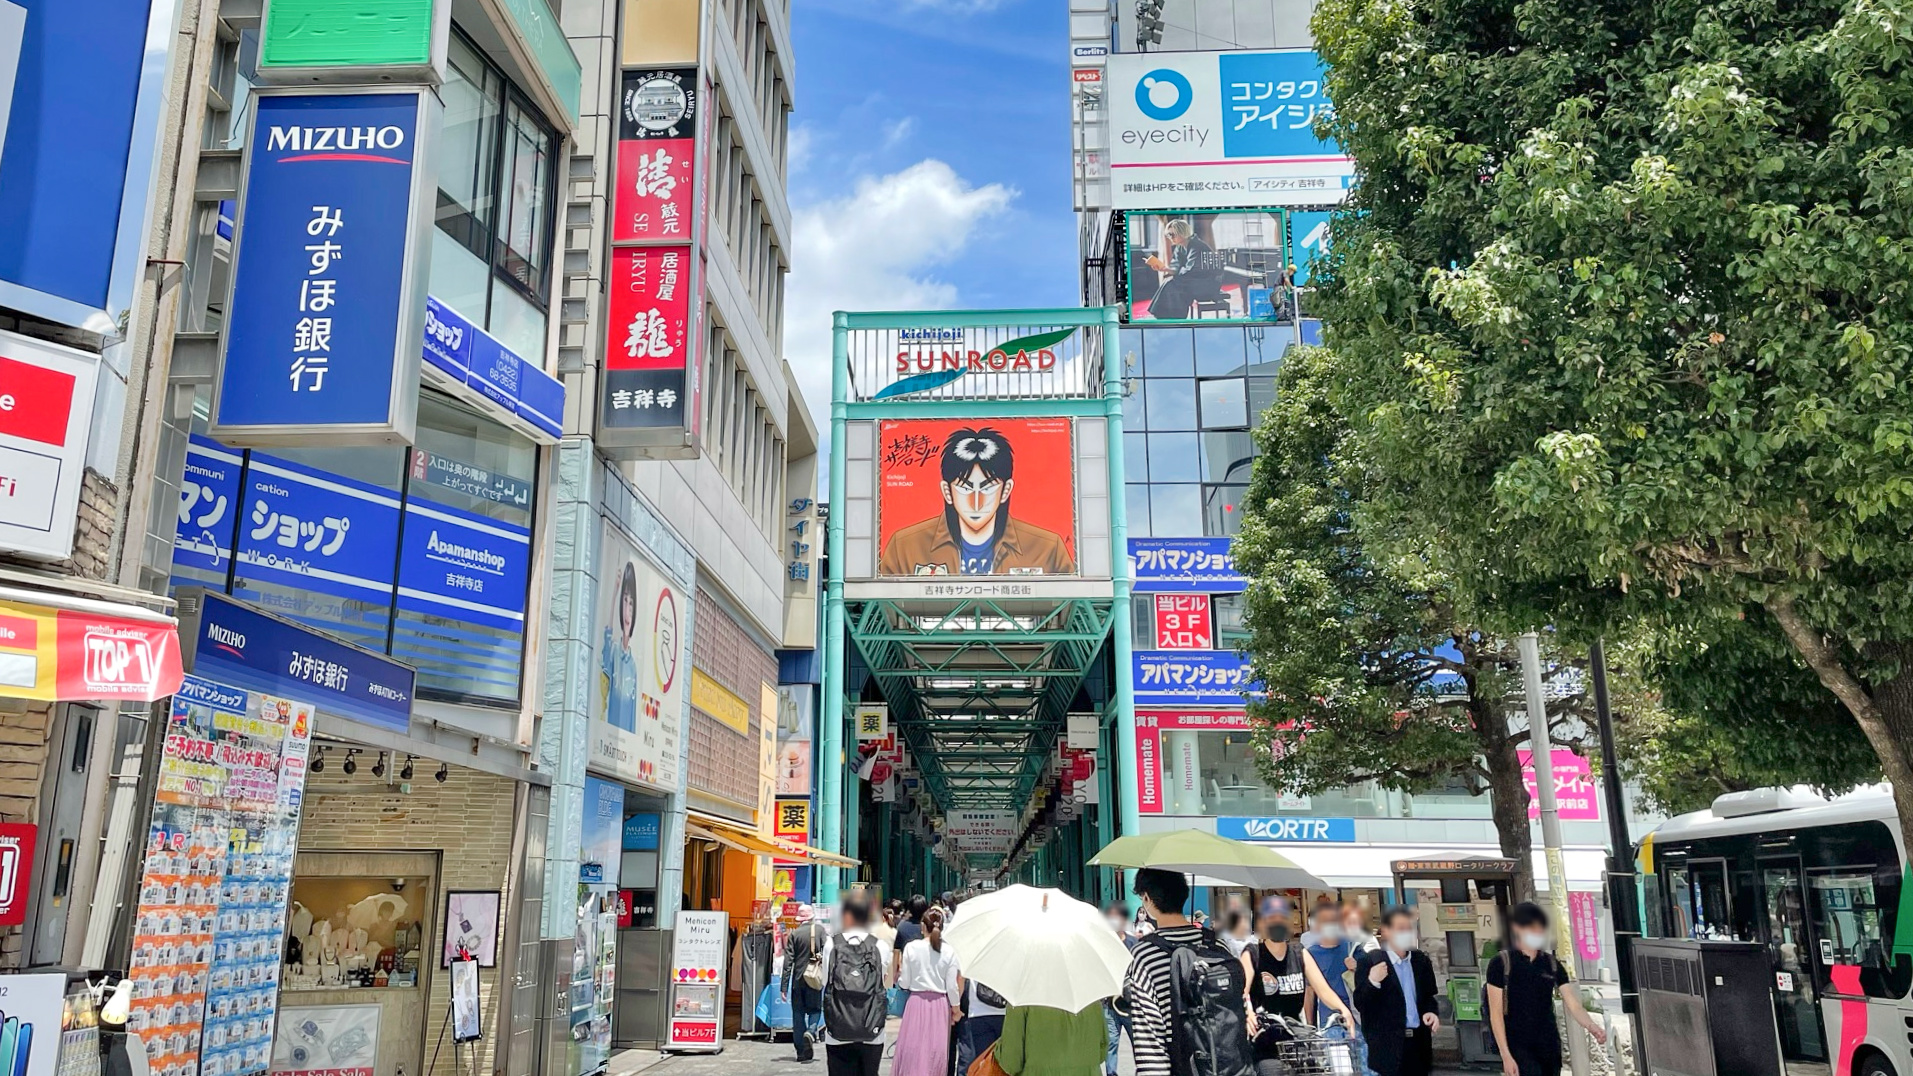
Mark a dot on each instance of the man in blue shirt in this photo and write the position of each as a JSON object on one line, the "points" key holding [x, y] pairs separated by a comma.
{"points": [[1395, 989]]}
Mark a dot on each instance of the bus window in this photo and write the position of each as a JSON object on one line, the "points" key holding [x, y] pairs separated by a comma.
{"points": [[1681, 894], [1854, 948], [1713, 916]]}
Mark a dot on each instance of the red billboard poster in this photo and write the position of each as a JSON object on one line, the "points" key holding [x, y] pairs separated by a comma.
{"points": [[976, 497], [1168, 758], [654, 194], [649, 339], [1183, 622], [16, 870]]}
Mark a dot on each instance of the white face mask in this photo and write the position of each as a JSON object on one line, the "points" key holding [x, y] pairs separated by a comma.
{"points": [[1402, 940], [1534, 939], [1119, 924], [1330, 933]]}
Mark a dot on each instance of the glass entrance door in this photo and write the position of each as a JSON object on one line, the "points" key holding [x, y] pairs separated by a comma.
{"points": [[1796, 999]]}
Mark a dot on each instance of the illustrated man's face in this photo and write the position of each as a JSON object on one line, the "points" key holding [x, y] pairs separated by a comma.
{"points": [[976, 497]]}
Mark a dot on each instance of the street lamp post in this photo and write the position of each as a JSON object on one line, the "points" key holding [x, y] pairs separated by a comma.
{"points": [[1541, 749]]}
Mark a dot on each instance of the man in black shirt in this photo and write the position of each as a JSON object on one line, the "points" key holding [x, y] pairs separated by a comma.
{"points": [[1522, 983]]}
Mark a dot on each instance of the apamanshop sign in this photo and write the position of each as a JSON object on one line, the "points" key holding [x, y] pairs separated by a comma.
{"points": [[1206, 130], [327, 315]]}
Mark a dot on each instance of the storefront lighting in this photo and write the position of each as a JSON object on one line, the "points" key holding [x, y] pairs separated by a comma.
{"points": [[351, 763], [405, 771], [378, 768], [444, 771], [318, 760]]}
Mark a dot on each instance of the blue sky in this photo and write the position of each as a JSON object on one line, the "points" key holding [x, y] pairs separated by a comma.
{"points": [[930, 163]]}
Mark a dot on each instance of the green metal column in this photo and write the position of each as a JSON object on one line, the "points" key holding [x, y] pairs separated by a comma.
{"points": [[1105, 810], [830, 752], [1129, 803], [854, 792]]}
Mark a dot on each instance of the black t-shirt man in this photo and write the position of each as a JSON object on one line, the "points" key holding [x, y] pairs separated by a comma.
{"points": [[1530, 986]]}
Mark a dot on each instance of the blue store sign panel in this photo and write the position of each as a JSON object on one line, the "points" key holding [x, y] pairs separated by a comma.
{"points": [[328, 303], [208, 502], [243, 647], [464, 567], [641, 831], [310, 530], [1289, 830], [1191, 677], [469, 363], [1186, 565]]}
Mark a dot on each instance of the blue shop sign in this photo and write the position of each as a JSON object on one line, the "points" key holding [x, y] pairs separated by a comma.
{"points": [[641, 831], [471, 364], [203, 692], [1190, 677], [243, 647], [314, 531], [464, 567], [208, 502], [1288, 830], [1183, 565], [1272, 100], [323, 322]]}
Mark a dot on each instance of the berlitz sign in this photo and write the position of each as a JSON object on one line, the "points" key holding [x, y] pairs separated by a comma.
{"points": [[46, 409]]}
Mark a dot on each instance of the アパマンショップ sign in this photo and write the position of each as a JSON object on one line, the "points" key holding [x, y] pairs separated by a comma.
{"points": [[46, 408]]}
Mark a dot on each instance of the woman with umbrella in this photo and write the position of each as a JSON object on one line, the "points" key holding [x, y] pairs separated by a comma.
{"points": [[1041, 1041]]}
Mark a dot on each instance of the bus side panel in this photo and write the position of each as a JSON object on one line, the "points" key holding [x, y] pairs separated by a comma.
{"points": [[1853, 1023]]}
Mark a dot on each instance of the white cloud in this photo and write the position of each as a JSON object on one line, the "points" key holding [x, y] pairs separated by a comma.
{"points": [[876, 249], [897, 130], [802, 139]]}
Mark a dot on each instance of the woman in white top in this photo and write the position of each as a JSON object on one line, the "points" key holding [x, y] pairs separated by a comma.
{"points": [[930, 977]]}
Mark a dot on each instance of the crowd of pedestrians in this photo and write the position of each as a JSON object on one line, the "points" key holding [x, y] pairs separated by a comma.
{"points": [[1241, 1000]]}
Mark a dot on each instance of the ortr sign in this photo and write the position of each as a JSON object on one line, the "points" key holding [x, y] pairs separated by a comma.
{"points": [[329, 269], [46, 410]]}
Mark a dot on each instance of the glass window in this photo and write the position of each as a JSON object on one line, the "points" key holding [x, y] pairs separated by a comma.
{"points": [[1261, 395], [1173, 457], [1136, 506], [1218, 352], [1130, 341], [1222, 509], [468, 150], [1142, 621], [1226, 781], [516, 323], [1176, 511], [1225, 404], [1168, 353], [1136, 391], [1172, 404], [525, 233], [1231, 632], [1227, 456], [459, 278], [1135, 457]]}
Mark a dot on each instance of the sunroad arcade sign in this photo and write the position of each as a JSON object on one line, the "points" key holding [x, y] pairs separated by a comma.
{"points": [[327, 305], [1210, 130], [933, 358]]}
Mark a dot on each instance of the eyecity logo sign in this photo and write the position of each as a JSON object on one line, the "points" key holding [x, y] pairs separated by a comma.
{"points": [[1163, 94], [933, 358]]}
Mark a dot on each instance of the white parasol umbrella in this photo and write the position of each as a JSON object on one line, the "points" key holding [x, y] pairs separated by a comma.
{"points": [[1039, 947]]}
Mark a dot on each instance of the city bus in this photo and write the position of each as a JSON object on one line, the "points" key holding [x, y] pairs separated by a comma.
{"points": [[1822, 884]]}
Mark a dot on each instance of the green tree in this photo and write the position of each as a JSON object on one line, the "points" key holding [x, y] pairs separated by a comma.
{"points": [[1372, 670], [1624, 299]]}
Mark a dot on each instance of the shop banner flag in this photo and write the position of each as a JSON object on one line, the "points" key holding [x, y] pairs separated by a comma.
{"points": [[51, 655]]}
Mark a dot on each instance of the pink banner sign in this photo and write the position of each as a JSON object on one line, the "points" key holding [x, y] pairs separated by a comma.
{"points": [[1574, 791], [1584, 919]]}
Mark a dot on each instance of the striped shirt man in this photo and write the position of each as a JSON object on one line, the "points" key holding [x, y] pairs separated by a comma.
{"points": [[1149, 1002]]}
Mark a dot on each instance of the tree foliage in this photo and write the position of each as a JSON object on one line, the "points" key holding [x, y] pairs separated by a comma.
{"points": [[1623, 307], [1372, 672]]}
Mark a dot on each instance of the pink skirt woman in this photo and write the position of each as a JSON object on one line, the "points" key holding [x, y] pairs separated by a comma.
{"points": [[923, 1040]]}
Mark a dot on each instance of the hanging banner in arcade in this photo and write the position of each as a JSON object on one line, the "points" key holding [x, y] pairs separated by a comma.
{"points": [[328, 295], [637, 697], [976, 497]]}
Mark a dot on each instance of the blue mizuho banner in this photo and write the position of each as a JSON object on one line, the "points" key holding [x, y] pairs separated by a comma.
{"points": [[328, 294]]}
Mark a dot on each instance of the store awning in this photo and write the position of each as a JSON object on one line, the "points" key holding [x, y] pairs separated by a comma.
{"points": [[1359, 866], [60, 648], [732, 835]]}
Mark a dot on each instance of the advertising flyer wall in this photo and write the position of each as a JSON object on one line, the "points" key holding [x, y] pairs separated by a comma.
{"points": [[638, 690], [210, 924], [976, 497]]}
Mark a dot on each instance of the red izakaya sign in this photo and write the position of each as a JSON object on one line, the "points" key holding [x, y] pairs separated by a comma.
{"points": [[1183, 622]]}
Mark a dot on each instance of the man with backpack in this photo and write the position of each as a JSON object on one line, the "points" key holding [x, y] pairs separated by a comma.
{"points": [[803, 981], [1183, 995], [854, 1010], [1522, 984]]}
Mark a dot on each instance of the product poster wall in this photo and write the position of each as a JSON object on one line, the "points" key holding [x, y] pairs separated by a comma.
{"points": [[697, 981], [210, 925], [794, 724], [594, 952], [976, 497], [637, 696]]}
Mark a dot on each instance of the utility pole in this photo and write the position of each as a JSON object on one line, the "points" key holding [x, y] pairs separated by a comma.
{"points": [[1541, 746], [1623, 892]]}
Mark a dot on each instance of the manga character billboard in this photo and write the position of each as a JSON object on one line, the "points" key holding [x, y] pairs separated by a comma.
{"points": [[976, 497]]}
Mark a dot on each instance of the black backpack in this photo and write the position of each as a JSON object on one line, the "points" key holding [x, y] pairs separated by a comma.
{"points": [[990, 997], [1211, 1029], [854, 1006]]}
